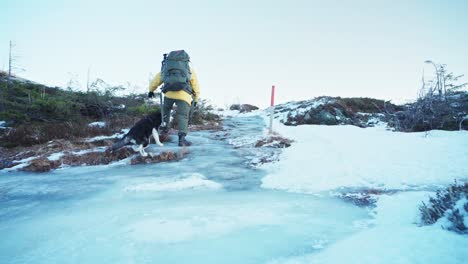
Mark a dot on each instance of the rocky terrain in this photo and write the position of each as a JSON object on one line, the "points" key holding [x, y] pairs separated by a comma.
{"points": [[81, 152], [447, 113]]}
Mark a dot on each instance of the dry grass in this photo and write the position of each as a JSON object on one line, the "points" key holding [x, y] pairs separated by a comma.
{"points": [[25, 135], [443, 205]]}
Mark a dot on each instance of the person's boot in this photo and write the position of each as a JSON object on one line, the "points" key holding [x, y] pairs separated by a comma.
{"points": [[182, 141]]}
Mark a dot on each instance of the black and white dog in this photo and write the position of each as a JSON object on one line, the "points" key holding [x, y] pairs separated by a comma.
{"points": [[141, 133]]}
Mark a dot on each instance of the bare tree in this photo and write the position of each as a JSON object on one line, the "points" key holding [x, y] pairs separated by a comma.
{"points": [[87, 80], [10, 60], [13, 60], [440, 104]]}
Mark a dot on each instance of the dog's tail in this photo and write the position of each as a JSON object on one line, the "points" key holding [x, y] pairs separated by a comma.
{"points": [[124, 141]]}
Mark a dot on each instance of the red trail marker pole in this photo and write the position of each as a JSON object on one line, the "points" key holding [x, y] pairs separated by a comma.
{"points": [[272, 107]]}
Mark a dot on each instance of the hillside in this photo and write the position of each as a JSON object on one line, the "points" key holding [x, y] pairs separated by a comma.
{"points": [[37, 114]]}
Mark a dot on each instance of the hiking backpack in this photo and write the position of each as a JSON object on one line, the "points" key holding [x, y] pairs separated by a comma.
{"points": [[175, 72]]}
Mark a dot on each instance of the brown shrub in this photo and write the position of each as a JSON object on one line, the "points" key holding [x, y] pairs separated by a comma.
{"points": [[274, 142], [38, 133], [443, 204], [433, 112], [96, 157]]}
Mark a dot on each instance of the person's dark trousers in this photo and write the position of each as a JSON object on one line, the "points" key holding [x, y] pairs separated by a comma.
{"points": [[183, 110]]}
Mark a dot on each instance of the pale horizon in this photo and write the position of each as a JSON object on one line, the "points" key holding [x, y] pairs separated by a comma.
{"points": [[239, 49]]}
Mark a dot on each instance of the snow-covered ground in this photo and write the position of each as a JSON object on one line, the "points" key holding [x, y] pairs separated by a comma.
{"points": [[333, 158], [329, 157], [214, 207]]}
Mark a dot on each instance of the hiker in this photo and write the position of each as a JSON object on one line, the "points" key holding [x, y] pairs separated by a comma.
{"points": [[180, 87]]}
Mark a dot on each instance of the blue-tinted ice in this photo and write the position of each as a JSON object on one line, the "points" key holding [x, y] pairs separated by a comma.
{"points": [[206, 208]]}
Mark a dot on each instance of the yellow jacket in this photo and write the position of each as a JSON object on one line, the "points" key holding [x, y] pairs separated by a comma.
{"points": [[179, 95]]}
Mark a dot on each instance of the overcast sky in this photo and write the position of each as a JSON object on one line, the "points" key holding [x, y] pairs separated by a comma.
{"points": [[240, 48]]}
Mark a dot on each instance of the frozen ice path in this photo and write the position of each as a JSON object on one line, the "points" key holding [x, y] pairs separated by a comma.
{"points": [[206, 208]]}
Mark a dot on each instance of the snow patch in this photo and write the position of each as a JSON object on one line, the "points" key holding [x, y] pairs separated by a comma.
{"points": [[116, 135], [319, 244], [195, 181], [100, 124], [85, 151], [98, 138], [55, 156]]}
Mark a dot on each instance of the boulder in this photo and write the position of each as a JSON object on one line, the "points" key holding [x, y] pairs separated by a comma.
{"points": [[243, 108], [325, 118], [235, 107], [41, 165], [161, 157]]}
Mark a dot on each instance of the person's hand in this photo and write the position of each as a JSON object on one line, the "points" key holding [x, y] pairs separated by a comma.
{"points": [[150, 94], [195, 103]]}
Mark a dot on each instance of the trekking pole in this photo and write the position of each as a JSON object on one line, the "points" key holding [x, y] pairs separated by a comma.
{"points": [[162, 109], [161, 93]]}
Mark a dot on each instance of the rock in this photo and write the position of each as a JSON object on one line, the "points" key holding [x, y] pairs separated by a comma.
{"points": [[162, 157], [335, 111], [340, 116], [41, 165], [243, 108], [325, 118], [235, 107]]}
